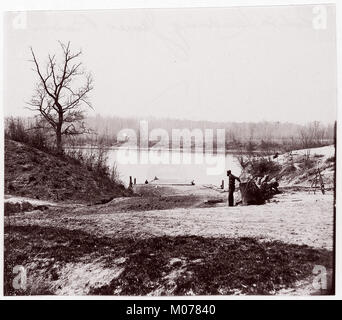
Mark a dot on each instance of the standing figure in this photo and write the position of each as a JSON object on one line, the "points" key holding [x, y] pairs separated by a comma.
{"points": [[231, 187]]}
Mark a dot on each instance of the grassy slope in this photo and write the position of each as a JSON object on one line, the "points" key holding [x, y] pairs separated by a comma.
{"points": [[32, 173]]}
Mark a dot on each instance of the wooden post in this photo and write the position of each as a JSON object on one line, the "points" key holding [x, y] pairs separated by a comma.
{"points": [[222, 184], [130, 182], [135, 180]]}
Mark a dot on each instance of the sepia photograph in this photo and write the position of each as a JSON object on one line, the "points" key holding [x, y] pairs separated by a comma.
{"points": [[173, 152]]}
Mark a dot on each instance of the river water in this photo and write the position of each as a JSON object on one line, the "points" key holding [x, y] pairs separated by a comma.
{"points": [[172, 166]]}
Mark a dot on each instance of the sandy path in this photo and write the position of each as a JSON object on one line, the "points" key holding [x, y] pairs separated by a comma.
{"points": [[298, 218]]}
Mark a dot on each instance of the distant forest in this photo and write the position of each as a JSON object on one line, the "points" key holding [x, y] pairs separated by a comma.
{"points": [[240, 136]]}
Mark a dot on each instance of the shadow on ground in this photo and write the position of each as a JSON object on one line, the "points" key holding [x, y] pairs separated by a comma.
{"points": [[159, 265]]}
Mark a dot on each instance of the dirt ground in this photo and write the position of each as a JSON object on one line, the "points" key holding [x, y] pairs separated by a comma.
{"points": [[293, 222], [296, 217]]}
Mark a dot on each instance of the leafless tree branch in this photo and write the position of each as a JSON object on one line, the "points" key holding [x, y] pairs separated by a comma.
{"points": [[57, 100]]}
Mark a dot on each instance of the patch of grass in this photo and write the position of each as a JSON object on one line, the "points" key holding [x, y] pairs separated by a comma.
{"points": [[225, 265], [26, 244], [288, 170], [208, 266], [307, 164], [330, 159], [147, 203]]}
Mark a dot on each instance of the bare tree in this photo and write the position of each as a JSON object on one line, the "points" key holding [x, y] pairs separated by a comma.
{"points": [[61, 93]]}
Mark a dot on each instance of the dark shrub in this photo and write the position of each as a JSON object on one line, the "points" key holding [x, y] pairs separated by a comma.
{"points": [[263, 166], [307, 164], [32, 133], [331, 159]]}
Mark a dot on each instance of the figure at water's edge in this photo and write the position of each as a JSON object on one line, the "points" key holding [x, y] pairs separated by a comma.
{"points": [[231, 187]]}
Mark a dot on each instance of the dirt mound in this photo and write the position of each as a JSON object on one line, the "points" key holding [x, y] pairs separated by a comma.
{"points": [[33, 173]]}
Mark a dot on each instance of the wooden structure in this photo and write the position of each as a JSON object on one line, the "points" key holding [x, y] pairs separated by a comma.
{"points": [[318, 182]]}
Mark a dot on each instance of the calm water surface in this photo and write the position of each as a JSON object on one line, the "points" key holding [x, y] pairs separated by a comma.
{"points": [[172, 166]]}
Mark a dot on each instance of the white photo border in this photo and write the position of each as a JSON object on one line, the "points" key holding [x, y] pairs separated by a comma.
{"points": [[28, 5]]}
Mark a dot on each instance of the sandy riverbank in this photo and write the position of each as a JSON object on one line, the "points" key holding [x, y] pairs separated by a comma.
{"points": [[101, 249]]}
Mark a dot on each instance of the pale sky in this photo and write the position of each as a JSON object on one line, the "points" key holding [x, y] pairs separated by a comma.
{"points": [[222, 64]]}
